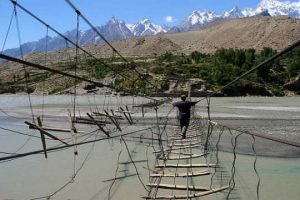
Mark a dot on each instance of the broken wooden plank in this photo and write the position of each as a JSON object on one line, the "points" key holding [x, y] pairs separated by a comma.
{"points": [[99, 125], [42, 137], [113, 120], [177, 148], [129, 113], [184, 144], [45, 132], [125, 115], [120, 177], [183, 157], [54, 129], [105, 115], [185, 166], [185, 140], [199, 194], [189, 174], [83, 119], [182, 153], [116, 119], [178, 187]]}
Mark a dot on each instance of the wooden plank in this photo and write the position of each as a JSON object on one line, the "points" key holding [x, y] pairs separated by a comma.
{"points": [[182, 157], [186, 140], [73, 132], [113, 121], [120, 177], [89, 120], [129, 121], [45, 132], [177, 148], [189, 174], [185, 166], [190, 196], [105, 115], [99, 125], [178, 187], [184, 144], [187, 137], [116, 119], [183, 153], [42, 137], [129, 113]]}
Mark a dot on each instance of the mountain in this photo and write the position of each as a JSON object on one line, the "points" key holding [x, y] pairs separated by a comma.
{"points": [[197, 19], [252, 32], [265, 8], [145, 27], [235, 12], [115, 29], [275, 8]]}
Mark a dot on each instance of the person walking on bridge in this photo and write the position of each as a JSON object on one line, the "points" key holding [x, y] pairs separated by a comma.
{"points": [[184, 114]]}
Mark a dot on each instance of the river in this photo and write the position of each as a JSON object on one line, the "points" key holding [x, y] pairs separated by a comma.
{"points": [[34, 176]]}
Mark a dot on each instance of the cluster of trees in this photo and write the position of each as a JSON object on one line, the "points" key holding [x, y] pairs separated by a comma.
{"points": [[226, 64]]}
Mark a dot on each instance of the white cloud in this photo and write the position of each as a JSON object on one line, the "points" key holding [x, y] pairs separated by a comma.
{"points": [[169, 19]]}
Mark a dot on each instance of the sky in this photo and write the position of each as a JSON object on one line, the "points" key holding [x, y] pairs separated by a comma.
{"points": [[58, 14]]}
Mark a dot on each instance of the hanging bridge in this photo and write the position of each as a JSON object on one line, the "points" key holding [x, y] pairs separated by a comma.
{"points": [[191, 168]]}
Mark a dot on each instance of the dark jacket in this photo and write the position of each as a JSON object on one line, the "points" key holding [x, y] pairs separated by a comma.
{"points": [[184, 108]]}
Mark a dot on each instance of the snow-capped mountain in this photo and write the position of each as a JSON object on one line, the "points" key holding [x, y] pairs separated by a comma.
{"points": [[145, 27], [112, 30], [197, 19], [235, 12], [275, 8], [116, 29], [264, 8]]}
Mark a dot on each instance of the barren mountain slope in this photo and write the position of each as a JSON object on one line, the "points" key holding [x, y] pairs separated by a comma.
{"points": [[254, 32]]}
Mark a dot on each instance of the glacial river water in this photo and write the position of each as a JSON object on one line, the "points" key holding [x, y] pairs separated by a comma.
{"points": [[34, 176]]}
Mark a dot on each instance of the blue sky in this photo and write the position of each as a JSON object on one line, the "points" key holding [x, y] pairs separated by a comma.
{"points": [[59, 15]]}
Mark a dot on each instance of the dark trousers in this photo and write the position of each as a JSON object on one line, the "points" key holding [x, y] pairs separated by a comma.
{"points": [[184, 124]]}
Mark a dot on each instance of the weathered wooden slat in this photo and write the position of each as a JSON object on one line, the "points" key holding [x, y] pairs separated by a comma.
{"points": [[105, 115], [185, 140], [116, 119], [129, 113], [182, 153], [120, 177], [183, 144], [125, 115], [54, 129], [113, 120], [190, 174], [178, 187], [183, 157], [185, 166], [177, 148], [83, 119], [199, 194], [99, 125], [45, 132], [42, 137], [187, 137]]}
